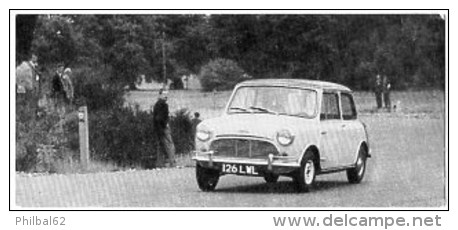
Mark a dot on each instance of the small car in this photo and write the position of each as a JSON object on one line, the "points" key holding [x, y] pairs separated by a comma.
{"points": [[283, 127]]}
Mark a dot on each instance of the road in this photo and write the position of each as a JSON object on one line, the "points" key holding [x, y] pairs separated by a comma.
{"points": [[407, 170]]}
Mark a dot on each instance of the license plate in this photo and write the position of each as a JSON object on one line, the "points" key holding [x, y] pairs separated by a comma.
{"points": [[239, 169]]}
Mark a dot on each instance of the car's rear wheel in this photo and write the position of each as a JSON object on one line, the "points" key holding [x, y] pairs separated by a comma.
{"points": [[207, 179], [271, 178], [356, 174], [305, 177]]}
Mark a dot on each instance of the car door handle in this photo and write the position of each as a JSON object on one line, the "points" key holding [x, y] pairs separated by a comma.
{"points": [[324, 132], [343, 126]]}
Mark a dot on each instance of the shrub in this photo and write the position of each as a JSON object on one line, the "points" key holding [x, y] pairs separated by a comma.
{"points": [[125, 136], [181, 126], [220, 74], [41, 141], [122, 135]]}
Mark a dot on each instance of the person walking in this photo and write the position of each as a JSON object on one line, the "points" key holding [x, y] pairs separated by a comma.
{"points": [[162, 129], [386, 92], [378, 91]]}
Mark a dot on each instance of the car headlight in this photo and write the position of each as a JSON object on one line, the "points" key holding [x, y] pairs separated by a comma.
{"points": [[284, 137], [203, 135]]}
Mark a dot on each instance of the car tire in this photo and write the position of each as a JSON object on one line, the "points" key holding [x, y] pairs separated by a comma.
{"points": [[305, 176], [271, 178], [207, 179], [356, 174]]}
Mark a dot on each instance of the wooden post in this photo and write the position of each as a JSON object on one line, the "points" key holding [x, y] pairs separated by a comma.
{"points": [[83, 135]]}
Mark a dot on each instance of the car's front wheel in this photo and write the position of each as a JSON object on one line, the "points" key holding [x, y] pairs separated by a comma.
{"points": [[207, 179], [356, 174], [305, 177]]}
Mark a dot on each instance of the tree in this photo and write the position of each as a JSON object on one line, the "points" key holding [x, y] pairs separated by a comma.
{"points": [[220, 74], [25, 27], [348, 49]]}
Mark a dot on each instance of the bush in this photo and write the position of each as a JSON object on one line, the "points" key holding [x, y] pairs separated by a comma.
{"points": [[120, 136], [125, 136], [220, 74], [181, 126], [42, 141]]}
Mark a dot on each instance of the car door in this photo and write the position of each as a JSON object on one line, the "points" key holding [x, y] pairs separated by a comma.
{"points": [[350, 136], [330, 128]]}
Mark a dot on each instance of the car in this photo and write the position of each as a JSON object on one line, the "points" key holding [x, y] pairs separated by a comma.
{"points": [[283, 127]]}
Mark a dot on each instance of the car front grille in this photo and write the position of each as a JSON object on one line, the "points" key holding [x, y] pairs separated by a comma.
{"points": [[243, 148]]}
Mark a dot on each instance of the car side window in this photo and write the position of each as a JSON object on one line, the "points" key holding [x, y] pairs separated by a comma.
{"points": [[330, 107], [348, 107]]}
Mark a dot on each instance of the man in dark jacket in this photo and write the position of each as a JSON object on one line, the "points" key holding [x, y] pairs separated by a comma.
{"points": [[57, 91], [378, 89], [162, 129], [386, 92]]}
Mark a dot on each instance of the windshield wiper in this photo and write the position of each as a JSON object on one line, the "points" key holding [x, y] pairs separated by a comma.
{"points": [[262, 109], [238, 108]]}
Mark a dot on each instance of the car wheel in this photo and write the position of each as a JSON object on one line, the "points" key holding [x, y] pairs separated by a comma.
{"points": [[271, 178], [305, 177], [207, 179], [356, 174]]}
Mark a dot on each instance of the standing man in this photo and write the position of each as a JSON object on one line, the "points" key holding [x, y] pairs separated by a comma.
{"points": [[378, 91], [57, 90], [27, 76], [68, 85], [28, 84], [162, 128], [195, 121], [386, 92]]}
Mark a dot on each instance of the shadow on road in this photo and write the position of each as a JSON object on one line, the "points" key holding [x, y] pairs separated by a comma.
{"points": [[281, 187]]}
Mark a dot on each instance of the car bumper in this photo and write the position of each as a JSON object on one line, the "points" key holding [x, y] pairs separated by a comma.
{"points": [[271, 164]]}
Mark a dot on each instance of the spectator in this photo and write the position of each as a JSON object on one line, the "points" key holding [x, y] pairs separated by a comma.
{"points": [[162, 129], [57, 91], [27, 76], [378, 91], [68, 85], [195, 121], [386, 92], [58, 95], [28, 84]]}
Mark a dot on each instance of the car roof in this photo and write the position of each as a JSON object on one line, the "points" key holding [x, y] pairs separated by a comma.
{"points": [[302, 83]]}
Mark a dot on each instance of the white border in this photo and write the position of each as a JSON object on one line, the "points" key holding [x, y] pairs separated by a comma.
{"points": [[207, 220]]}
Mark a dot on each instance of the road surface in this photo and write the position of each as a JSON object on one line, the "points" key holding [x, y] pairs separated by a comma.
{"points": [[407, 170]]}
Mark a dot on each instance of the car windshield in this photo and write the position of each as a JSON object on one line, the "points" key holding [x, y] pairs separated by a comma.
{"points": [[274, 100]]}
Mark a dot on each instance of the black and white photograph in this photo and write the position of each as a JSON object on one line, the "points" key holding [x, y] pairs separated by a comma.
{"points": [[219, 110]]}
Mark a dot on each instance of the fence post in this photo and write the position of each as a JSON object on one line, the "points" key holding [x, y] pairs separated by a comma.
{"points": [[83, 135]]}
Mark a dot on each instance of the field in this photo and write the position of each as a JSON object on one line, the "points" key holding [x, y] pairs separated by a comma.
{"points": [[408, 168], [415, 103]]}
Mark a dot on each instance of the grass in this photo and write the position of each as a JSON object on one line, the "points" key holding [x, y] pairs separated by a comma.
{"points": [[209, 105]]}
